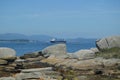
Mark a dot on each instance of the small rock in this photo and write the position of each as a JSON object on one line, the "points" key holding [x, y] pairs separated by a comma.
{"points": [[3, 62]]}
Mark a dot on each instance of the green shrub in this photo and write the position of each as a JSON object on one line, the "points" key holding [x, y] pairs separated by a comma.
{"points": [[109, 53]]}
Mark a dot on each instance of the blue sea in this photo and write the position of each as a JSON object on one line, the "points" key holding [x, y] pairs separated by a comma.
{"points": [[23, 48]]}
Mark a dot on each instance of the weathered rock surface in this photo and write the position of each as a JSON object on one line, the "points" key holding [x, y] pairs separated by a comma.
{"points": [[109, 42], [42, 65], [7, 52], [37, 74], [33, 75], [7, 78], [31, 55], [95, 50], [57, 50], [108, 62], [88, 64], [3, 62], [36, 70], [83, 54]]}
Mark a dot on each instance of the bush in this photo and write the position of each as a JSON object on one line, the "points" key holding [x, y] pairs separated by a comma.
{"points": [[109, 53]]}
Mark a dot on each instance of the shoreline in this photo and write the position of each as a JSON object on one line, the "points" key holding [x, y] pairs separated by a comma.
{"points": [[56, 64]]}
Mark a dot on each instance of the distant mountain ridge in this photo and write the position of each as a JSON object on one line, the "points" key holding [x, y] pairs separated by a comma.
{"points": [[13, 36], [81, 40], [10, 36]]}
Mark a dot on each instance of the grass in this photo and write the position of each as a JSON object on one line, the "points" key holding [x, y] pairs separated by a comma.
{"points": [[109, 53]]}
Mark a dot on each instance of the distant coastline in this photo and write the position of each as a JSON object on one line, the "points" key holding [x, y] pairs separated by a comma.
{"points": [[16, 40]]}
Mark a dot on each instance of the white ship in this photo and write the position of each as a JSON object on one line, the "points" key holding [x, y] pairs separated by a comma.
{"points": [[57, 40]]}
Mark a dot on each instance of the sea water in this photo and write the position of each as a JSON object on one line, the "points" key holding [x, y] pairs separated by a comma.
{"points": [[28, 47]]}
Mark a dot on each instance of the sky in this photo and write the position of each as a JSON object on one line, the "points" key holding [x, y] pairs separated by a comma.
{"points": [[61, 18]]}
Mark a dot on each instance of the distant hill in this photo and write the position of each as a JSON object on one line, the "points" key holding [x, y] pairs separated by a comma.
{"points": [[82, 40], [40, 37], [14, 36], [10, 36]]}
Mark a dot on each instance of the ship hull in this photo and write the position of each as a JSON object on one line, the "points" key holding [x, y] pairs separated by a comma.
{"points": [[58, 41]]}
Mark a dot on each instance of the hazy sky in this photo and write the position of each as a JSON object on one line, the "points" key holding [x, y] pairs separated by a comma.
{"points": [[62, 18]]}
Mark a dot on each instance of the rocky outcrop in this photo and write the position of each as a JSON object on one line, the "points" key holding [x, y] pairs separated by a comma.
{"points": [[83, 54], [108, 62], [7, 52], [95, 50], [53, 63], [57, 50], [31, 55], [7, 66], [38, 74], [109, 42], [7, 78]]}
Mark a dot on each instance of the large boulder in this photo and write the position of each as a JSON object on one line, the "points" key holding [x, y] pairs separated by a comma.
{"points": [[57, 50], [83, 54], [7, 54], [109, 42]]}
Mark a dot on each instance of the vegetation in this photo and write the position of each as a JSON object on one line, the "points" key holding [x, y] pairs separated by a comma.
{"points": [[109, 53]]}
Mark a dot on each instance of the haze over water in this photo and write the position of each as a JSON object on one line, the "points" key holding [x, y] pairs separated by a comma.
{"points": [[61, 18]]}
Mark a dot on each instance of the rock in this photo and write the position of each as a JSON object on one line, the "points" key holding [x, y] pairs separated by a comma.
{"points": [[83, 54], [7, 54], [80, 78], [38, 74], [66, 63], [28, 76], [3, 62], [35, 59], [10, 59], [36, 70], [52, 60], [108, 62], [86, 64], [20, 60], [95, 50], [9, 69], [31, 55], [2, 68], [109, 42], [7, 78], [57, 50]]}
